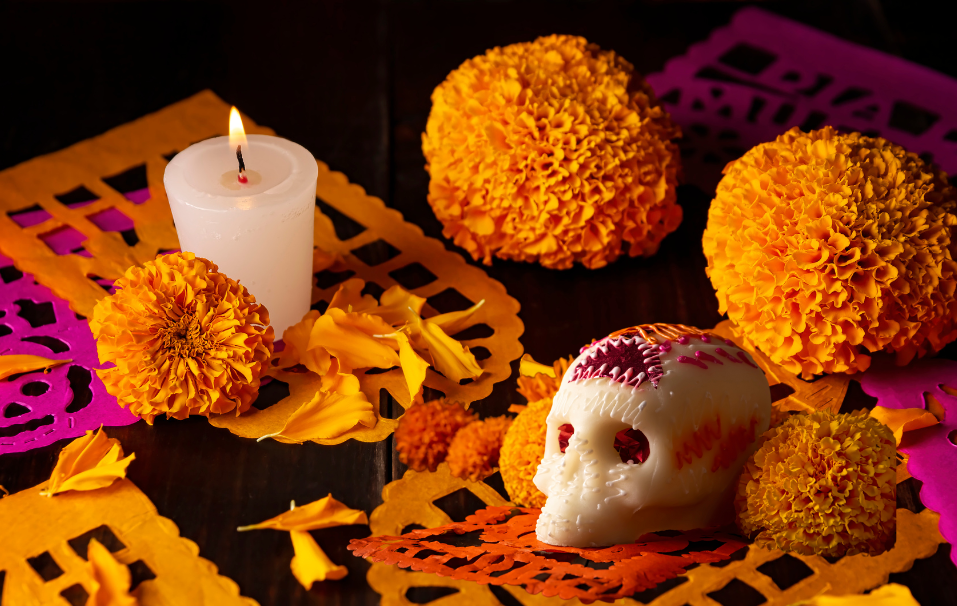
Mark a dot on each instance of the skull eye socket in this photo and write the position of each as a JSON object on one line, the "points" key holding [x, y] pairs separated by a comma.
{"points": [[564, 434], [632, 446]]}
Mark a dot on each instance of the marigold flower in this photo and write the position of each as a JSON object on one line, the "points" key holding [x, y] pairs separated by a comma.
{"points": [[184, 338], [425, 430], [522, 452], [474, 451], [536, 382], [824, 246], [821, 484], [552, 151]]}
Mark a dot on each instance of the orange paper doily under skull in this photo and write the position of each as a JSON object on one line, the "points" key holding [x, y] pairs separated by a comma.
{"points": [[51, 226], [497, 545]]}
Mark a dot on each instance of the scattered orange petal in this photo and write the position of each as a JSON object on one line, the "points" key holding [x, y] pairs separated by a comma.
{"points": [[15, 364], [328, 414], [327, 512], [449, 357], [902, 420], [89, 462], [311, 564]]}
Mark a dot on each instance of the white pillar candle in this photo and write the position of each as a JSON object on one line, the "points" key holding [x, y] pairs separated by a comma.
{"points": [[259, 232]]}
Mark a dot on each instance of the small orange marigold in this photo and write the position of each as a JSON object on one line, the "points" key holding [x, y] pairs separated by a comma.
{"points": [[474, 451], [821, 484], [552, 151], [184, 339], [824, 246], [425, 430]]}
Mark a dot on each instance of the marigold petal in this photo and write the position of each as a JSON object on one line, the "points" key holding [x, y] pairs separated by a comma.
{"points": [[311, 564]]}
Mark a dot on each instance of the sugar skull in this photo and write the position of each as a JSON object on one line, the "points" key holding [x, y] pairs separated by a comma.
{"points": [[649, 431]]}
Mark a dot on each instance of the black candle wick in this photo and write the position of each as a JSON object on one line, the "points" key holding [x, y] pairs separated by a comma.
{"points": [[239, 156]]}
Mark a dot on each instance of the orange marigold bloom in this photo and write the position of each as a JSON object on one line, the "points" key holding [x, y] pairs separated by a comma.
{"points": [[538, 386], [552, 151], [822, 484], [184, 338], [824, 246], [474, 451], [522, 452], [425, 430]]}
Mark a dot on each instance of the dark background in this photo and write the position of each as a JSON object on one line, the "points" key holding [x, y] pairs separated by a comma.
{"points": [[351, 82]]}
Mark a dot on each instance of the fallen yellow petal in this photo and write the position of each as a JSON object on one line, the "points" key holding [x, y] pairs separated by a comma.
{"points": [[327, 512], [529, 368], [111, 579], [328, 414], [311, 564], [16, 364], [349, 337], [413, 366], [888, 595], [89, 462], [349, 297], [398, 306], [449, 357], [455, 321], [901, 420], [296, 340]]}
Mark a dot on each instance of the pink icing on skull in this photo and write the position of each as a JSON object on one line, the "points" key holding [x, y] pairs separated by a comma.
{"points": [[624, 359]]}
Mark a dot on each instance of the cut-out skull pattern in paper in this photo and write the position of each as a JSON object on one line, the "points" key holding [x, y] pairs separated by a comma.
{"points": [[38, 408]]}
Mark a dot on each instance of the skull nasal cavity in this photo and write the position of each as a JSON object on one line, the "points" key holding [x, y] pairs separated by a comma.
{"points": [[632, 446], [564, 434]]}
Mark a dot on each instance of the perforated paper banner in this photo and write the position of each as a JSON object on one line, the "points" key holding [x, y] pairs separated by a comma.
{"points": [[44, 546], [38, 408], [78, 218], [932, 451], [762, 74]]}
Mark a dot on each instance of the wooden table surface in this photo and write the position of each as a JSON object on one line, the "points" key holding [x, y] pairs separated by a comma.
{"points": [[351, 82]]}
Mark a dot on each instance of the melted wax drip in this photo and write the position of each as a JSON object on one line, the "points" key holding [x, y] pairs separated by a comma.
{"points": [[627, 360]]}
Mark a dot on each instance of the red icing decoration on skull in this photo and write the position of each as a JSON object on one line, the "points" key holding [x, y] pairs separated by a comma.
{"points": [[630, 360]]}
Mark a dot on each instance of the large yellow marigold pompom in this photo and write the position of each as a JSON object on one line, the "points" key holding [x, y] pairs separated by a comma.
{"points": [[822, 484], [824, 246], [184, 338], [552, 151]]}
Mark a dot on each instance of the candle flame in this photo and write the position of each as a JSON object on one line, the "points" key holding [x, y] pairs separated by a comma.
{"points": [[237, 134]]}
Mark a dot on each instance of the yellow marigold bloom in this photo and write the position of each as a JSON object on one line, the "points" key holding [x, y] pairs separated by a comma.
{"points": [[824, 246], [425, 430], [474, 451], [552, 151], [535, 386], [184, 338], [522, 452], [821, 484]]}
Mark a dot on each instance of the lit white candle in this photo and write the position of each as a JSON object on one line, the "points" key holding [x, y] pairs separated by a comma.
{"points": [[257, 226]]}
